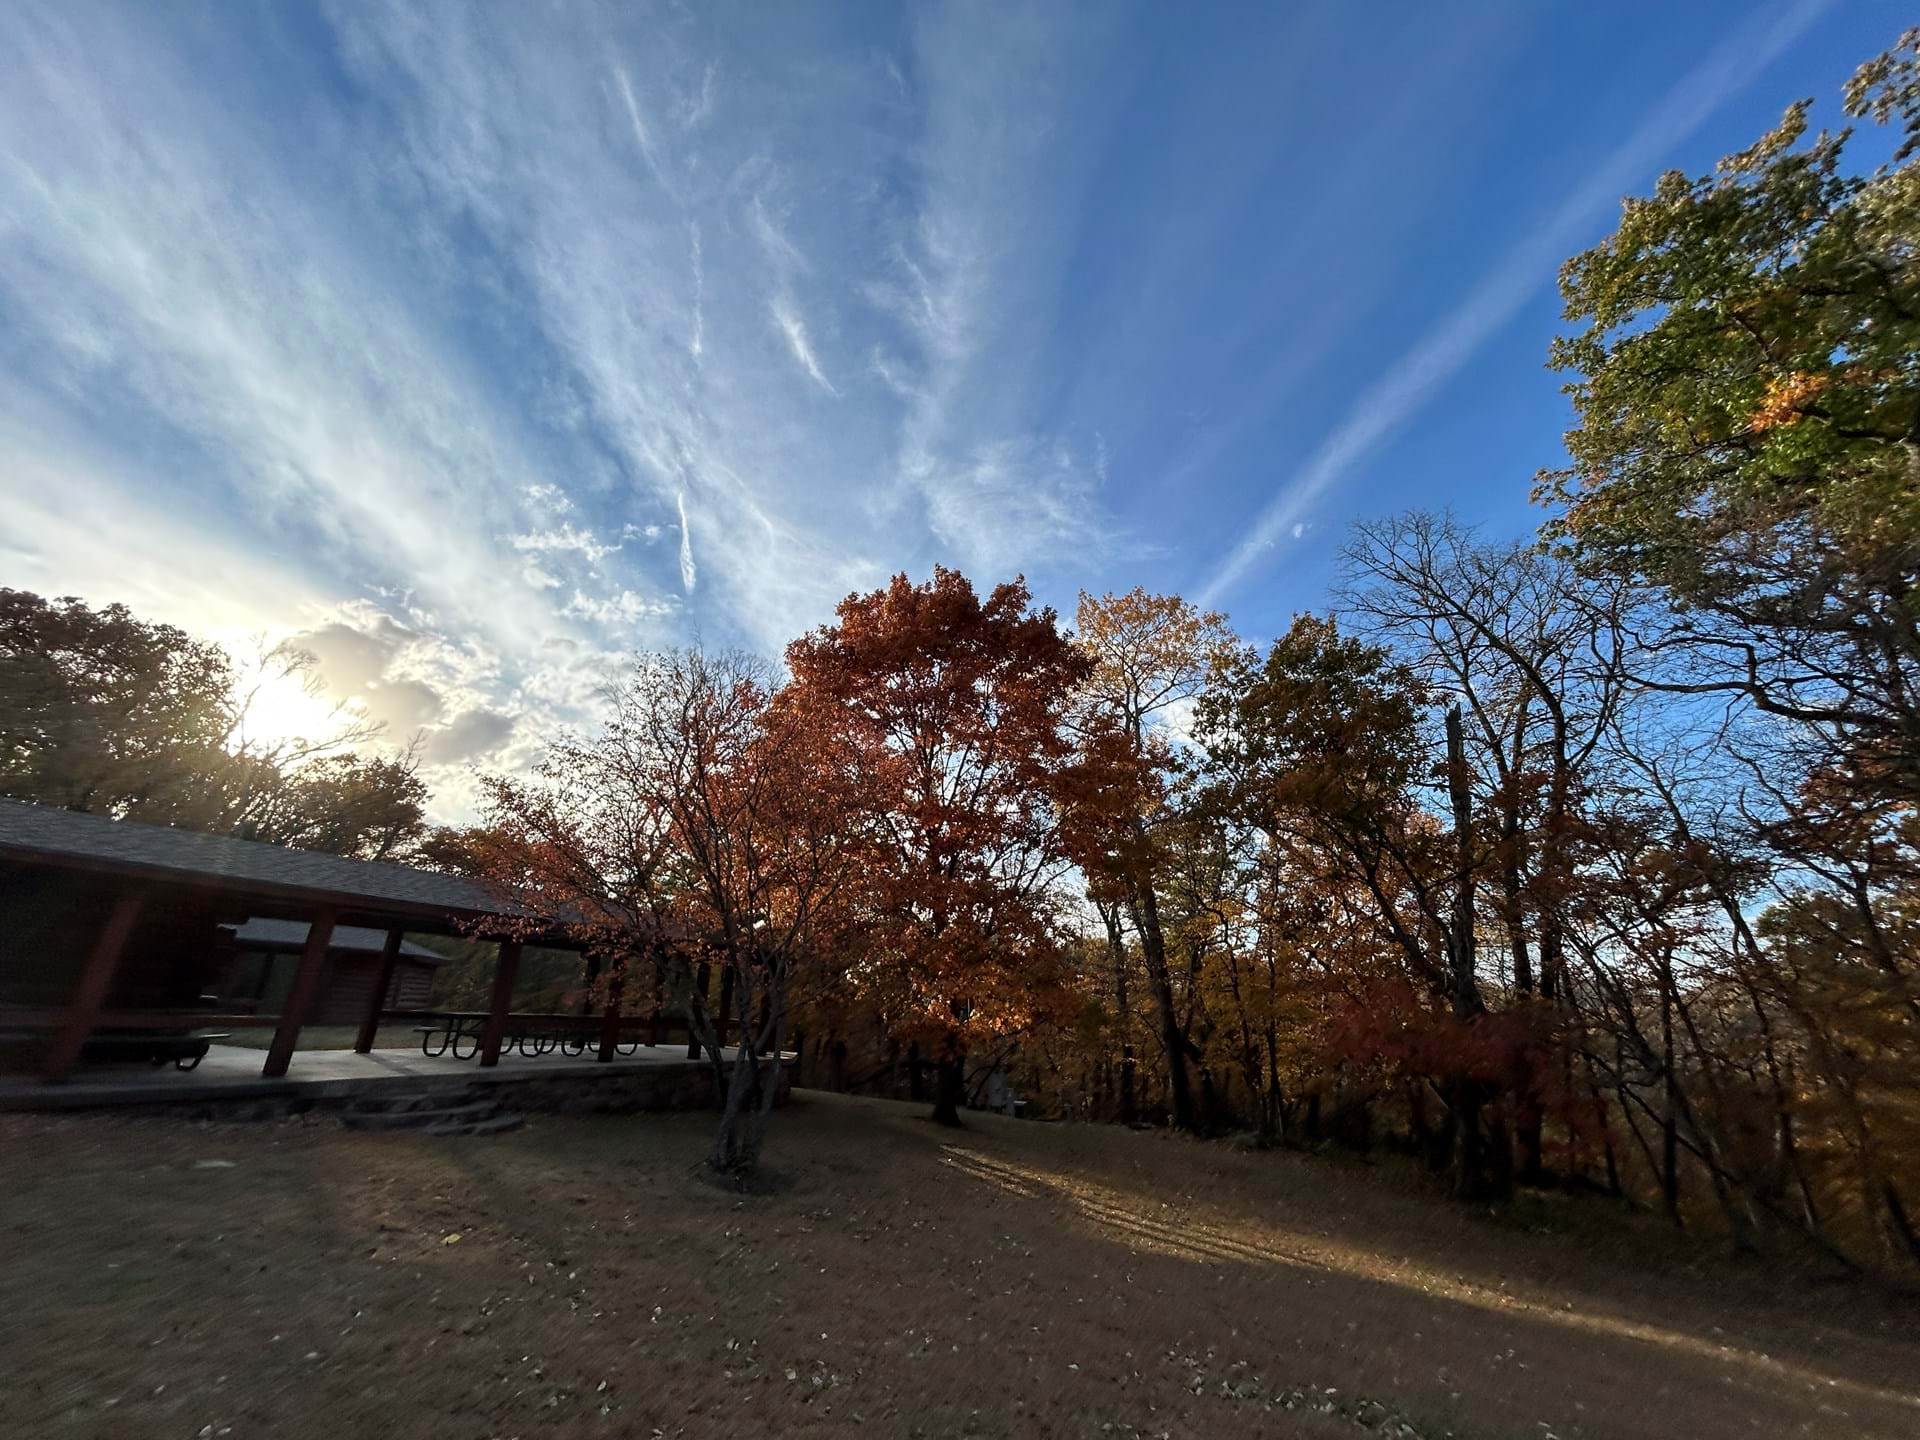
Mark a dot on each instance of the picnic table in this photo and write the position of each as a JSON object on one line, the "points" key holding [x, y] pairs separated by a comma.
{"points": [[460, 1033]]}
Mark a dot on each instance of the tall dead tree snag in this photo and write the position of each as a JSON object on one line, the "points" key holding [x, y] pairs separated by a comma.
{"points": [[1476, 1175]]}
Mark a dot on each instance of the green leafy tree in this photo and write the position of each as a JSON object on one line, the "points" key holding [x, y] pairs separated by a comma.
{"points": [[106, 713], [1747, 387], [1747, 456], [372, 807]]}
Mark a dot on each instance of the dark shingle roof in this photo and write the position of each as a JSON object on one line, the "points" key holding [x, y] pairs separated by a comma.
{"points": [[366, 887], [258, 934]]}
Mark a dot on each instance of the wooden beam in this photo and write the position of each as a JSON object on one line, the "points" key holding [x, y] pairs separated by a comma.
{"points": [[90, 995], [306, 984], [383, 980], [505, 971]]}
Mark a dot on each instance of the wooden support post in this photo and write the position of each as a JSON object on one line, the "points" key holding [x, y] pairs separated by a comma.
{"points": [[382, 982], [726, 1001], [95, 980], [593, 974], [700, 984], [306, 984], [610, 1021], [506, 971]]}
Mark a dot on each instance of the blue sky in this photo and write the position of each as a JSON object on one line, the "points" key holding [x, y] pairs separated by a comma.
{"points": [[478, 344]]}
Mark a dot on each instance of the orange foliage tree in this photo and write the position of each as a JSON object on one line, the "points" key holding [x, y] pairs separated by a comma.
{"points": [[952, 710], [1149, 657]]}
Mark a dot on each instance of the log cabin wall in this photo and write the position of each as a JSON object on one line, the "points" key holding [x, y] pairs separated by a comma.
{"points": [[345, 986]]}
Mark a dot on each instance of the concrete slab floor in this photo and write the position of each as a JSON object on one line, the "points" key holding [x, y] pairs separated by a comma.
{"points": [[233, 1072]]}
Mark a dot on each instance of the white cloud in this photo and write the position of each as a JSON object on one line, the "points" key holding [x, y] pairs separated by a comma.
{"points": [[771, 231], [79, 521], [687, 574], [989, 503], [445, 340], [180, 277], [969, 278], [623, 609], [565, 537], [467, 737], [697, 339], [682, 378], [1440, 354], [699, 108], [549, 497], [642, 132], [789, 323]]}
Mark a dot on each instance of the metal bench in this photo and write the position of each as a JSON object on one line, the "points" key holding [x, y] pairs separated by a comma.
{"points": [[450, 1031], [185, 1050], [461, 1034], [569, 1034]]}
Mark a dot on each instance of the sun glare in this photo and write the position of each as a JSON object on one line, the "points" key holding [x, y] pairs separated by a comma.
{"points": [[286, 708]]}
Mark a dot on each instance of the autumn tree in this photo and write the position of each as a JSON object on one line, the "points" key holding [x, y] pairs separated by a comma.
{"points": [[1535, 657], [706, 823], [371, 807], [953, 709], [1322, 746], [1747, 455], [1748, 425], [1148, 657]]}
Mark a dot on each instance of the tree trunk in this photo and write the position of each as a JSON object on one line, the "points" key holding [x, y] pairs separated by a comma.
{"points": [[1474, 1176], [1276, 1094], [949, 1083], [729, 1155], [1669, 1112], [766, 1085], [1527, 1119], [1117, 952], [726, 1000], [1173, 1038], [702, 979], [1465, 984]]}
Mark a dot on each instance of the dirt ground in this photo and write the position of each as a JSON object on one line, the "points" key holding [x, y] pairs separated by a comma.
{"points": [[579, 1278]]}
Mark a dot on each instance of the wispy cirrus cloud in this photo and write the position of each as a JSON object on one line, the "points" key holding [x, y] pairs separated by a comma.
{"points": [[687, 572], [787, 320], [968, 278], [454, 331], [1391, 400], [536, 335]]}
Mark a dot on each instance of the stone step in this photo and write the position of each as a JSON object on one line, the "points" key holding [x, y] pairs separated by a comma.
{"points": [[464, 1113], [492, 1125], [412, 1101]]}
